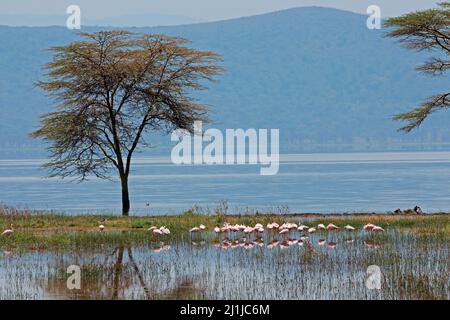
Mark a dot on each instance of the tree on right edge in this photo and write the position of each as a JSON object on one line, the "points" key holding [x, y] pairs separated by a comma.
{"points": [[425, 30]]}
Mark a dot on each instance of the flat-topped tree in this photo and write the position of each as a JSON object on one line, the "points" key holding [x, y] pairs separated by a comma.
{"points": [[112, 89], [425, 30]]}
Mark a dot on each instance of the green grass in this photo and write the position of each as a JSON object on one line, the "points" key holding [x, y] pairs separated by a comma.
{"points": [[40, 231]]}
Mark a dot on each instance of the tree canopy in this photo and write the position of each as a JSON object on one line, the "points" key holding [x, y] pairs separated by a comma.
{"points": [[425, 30], [112, 89]]}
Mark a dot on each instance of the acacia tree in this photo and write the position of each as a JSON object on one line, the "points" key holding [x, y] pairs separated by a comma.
{"points": [[112, 90], [425, 30]]}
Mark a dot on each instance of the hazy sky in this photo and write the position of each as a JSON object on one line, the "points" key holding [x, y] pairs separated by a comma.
{"points": [[203, 9]]}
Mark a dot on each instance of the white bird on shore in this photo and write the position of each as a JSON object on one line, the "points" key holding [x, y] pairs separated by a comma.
{"points": [[194, 229], [202, 227], [368, 227], [275, 225], [321, 226], [331, 227], [377, 229], [302, 227], [349, 228], [217, 230], [164, 230], [311, 230], [157, 231], [152, 228], [8, 232], [283, 231], [101, 228], [249, 230]]}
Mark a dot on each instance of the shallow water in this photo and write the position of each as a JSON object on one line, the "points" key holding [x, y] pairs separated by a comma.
{"points": [[338, 182], [204, 266]]}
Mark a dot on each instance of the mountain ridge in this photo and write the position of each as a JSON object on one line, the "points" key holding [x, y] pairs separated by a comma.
{"points": [[317, 74]]}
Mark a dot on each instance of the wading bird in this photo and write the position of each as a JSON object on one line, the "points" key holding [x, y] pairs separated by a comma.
{"points": [[331, 227], [101, 228], [377, 229], [248, 230], [311, 230], [368, 227], [302, 228], [164, 230], [321, 226], [9, 231], [273, 225], [349, 228]]}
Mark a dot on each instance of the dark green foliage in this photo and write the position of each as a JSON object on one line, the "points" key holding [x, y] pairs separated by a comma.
{"points": [[425, 30]]}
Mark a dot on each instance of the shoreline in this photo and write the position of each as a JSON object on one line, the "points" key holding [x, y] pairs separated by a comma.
{"points": [[43, 231]]}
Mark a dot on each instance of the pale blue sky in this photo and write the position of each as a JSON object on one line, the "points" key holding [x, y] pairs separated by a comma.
{"points": [[202, 9]]}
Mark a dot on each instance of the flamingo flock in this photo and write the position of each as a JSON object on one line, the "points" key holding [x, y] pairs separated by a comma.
{"points": [[245, 233], [159, 231], [285, 228]]}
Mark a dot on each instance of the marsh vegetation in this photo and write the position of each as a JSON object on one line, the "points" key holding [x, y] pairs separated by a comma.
{"points": [[128, 262]]}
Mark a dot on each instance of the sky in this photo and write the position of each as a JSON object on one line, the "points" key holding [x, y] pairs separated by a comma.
{"points": [[209, 10]]}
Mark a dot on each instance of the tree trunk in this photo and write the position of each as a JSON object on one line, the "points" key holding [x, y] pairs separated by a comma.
{"points": [[117, 272], [125, 195]]}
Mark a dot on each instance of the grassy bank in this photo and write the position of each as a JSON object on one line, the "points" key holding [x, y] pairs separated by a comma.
{"points": [[40, 231]]}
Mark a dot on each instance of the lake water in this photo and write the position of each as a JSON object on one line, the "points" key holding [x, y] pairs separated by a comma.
{"points": [[322, 182], [328, 265]]}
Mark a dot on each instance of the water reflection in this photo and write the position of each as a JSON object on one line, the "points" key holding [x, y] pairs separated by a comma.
{"points": [[318, 267]]}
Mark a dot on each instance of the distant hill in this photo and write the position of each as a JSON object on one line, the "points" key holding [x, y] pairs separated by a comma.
{"points": [[135, 20], [317, 74]]}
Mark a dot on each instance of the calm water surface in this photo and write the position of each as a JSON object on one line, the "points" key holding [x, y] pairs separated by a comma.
{"points": [[338, 182], [329, 265]]}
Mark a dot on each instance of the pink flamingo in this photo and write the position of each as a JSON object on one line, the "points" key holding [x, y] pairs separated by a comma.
{"points": [[349, 228], [8, 232], [331, 227], [311, 230]]}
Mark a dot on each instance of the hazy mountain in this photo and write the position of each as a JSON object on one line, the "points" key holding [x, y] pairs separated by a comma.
{"points": [[137, 20], [317, 74]]}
